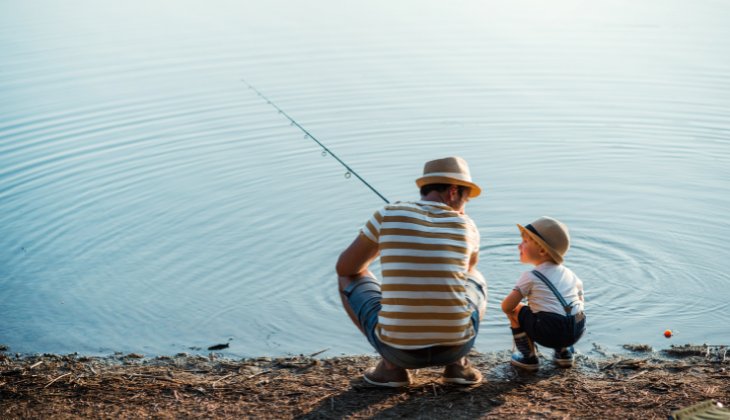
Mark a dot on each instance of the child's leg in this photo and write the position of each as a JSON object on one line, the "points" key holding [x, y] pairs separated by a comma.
{"points": [[522, 340], [514, 316], [524, 344], [564, 355]]}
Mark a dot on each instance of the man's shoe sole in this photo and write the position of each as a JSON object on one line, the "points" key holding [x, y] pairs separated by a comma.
{"points": [[524, 366], [460, 381], [563, 362], [389, 384]]}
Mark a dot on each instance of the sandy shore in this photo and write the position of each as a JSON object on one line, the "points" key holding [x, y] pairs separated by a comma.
{"points": [[635, 385]]}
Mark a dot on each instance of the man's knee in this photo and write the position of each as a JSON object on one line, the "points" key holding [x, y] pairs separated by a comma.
{"points": [[344, 281], [476, 273]]}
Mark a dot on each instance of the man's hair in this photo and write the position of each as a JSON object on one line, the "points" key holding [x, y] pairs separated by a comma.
{"points": [[426, 189]]}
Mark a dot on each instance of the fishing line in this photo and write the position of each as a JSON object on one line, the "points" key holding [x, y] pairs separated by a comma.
{"points": [[307, 135]]}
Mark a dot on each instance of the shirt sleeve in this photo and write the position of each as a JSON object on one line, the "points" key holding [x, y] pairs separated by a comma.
{"points": [[371, 231], [524, 284]]}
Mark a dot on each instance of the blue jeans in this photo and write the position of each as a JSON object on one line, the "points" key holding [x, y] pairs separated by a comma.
{"points": [[364, 296]]}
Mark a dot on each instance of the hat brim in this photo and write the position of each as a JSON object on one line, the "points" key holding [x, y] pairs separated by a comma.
{"points": [[553, 253], [475, 190]]}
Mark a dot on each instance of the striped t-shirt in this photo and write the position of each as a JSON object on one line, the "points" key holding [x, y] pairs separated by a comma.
{"points": [[425, 248]]}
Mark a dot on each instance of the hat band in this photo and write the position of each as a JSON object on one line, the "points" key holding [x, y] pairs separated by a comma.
{"points": [[455, 175], [533, 230]]}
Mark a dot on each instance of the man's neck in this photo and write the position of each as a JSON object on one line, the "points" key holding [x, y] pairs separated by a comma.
{"points": [[435, 197]]}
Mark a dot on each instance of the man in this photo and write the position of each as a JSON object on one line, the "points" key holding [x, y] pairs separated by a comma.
{"points": [[427, 310]]}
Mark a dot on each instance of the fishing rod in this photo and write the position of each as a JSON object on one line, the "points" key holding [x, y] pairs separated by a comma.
{"points": [[325, 151]]}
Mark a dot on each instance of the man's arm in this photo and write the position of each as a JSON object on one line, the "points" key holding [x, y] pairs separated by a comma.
{"points": [[473, 261], [354, 261]]}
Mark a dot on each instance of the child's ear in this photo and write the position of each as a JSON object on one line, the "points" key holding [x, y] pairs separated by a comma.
{"points": [[543, 251]]}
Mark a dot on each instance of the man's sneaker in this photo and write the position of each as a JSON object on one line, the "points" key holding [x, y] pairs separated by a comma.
{"points": [[564, 357], [455, 373], [528, 363], [383, 376]]}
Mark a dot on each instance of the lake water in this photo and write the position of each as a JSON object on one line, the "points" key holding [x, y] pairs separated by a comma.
{"points": [[151, 202]]}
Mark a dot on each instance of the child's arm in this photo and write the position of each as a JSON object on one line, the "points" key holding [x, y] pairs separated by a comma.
{"points": [[511, 301], [580, 290]]}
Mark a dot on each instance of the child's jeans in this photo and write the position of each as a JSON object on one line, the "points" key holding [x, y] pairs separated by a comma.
{"points": [[551, 330]]}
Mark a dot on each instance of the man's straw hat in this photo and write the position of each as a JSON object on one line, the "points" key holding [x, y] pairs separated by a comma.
{"points": [[551, 235], [450, 170]]}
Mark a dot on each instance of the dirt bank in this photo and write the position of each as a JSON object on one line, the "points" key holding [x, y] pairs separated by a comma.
{"points": [[635, 386]]}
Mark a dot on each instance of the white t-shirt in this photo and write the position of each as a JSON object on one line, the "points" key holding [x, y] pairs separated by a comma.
{"points": [[541, 298]]}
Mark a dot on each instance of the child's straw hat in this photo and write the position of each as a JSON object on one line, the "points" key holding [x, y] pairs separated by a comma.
{"points": [[450, 170], [551, 235]]}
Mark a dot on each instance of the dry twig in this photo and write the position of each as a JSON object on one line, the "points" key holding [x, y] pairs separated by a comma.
{"points": [[159, 378], [227, 376], [48, 384], [319, 352]]}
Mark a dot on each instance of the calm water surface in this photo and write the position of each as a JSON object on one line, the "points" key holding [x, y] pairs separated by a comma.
{"points": [[150, 202]]}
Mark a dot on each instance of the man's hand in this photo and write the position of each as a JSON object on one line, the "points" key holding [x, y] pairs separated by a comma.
{"points": [[354, 261]]}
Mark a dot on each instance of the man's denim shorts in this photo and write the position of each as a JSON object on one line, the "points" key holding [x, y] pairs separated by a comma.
{"points": [[364, 296], [551, 330]]}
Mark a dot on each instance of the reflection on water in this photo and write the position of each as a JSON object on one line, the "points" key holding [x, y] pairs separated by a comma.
{"points": [[150, 202]]}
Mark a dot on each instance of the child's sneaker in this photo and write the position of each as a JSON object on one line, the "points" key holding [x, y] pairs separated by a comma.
{"points": [[527, 357], [527, 363], [564, 357]]}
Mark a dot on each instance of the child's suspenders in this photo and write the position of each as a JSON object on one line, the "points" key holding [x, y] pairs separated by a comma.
{"points": [[567, 307]]}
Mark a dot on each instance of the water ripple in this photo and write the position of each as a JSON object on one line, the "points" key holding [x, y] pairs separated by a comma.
{"points": [[168, 206]]}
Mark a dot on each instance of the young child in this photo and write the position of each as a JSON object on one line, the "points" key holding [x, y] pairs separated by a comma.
{"points": [[546, 321]]}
